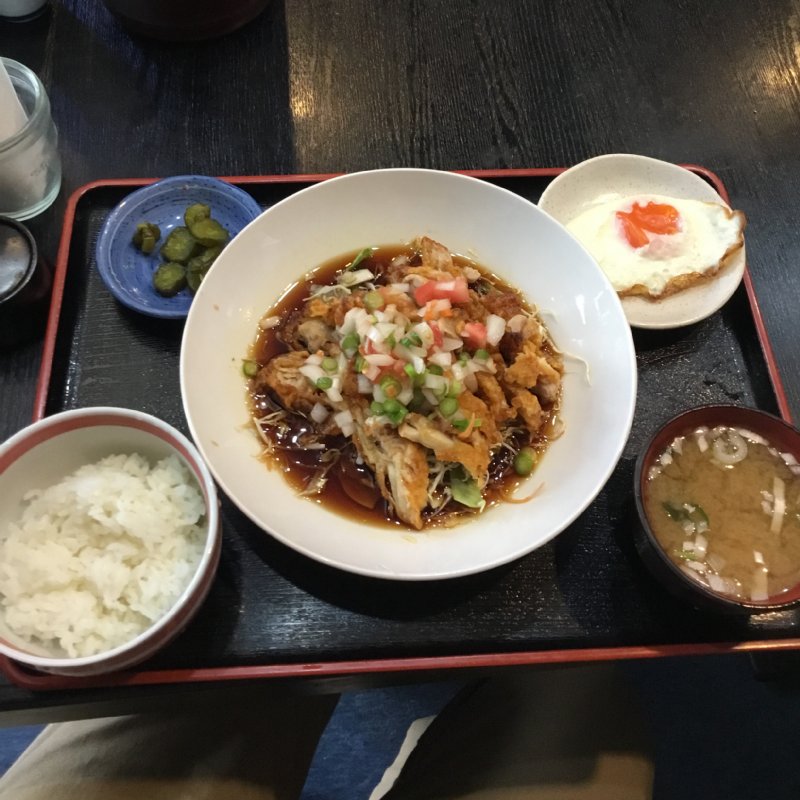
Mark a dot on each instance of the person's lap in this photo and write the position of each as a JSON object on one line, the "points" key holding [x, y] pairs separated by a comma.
{"points": [[564, 733]]}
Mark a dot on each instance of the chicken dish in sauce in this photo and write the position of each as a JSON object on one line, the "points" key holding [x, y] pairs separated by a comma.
{"points": [[406, 384]]}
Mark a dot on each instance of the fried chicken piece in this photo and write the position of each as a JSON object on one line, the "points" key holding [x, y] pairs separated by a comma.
{"points": [[400, 467], [474, 457], [493, 394], [437, 263], [293, 389], [528, 407], [528, 367]]}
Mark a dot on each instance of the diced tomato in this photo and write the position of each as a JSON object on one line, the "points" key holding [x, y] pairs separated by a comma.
{"points": [[438, 338], [474, 334], [659, 218], [455, 291]]}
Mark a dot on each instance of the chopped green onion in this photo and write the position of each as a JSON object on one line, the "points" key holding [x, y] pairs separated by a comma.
{"points": [[410, 371], [362, 255], [250, 368], [412, 340], [350, 342], [398, 416], [390, 386], [324, 383], [524, 461], [373, 300], [330, 364], [482, 355], [465, 490], [392, 406], [455, 389], [463, 357], [448, 406], [435, 369], [460, 424], [359, 363], [376, 408]]}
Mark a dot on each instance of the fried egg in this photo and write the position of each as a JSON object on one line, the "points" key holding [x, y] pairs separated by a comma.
{"points": [[654, 246]]}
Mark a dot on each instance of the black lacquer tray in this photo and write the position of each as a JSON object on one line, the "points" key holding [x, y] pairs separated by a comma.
{"points": [[273, 612]]}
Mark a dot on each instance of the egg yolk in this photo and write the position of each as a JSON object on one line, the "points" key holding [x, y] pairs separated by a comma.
{"points": [[656, 218]]}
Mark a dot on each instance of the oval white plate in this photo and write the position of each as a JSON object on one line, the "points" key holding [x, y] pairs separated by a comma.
{"points": [[627, 174], [500, 230]]}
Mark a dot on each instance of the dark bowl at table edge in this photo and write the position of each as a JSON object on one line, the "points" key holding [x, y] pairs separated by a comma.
{"points": [[651, 552]]}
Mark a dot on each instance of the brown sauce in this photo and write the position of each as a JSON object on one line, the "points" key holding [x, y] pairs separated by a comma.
{"points": [[347, 489]]}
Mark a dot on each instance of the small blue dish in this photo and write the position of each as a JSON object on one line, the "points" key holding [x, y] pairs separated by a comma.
{"points": [[127, 272]]}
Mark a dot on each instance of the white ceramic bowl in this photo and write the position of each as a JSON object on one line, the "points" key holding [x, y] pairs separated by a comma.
{"points": [[500, 230], [48, 450], [627, 174]]}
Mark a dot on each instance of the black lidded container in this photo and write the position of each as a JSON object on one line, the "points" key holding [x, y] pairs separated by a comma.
{"points": [[25, 283]]}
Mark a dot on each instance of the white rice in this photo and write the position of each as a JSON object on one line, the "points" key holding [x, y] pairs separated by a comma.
{"points": [[99, 557]]}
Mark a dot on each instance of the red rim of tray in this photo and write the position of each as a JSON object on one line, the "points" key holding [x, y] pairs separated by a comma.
{"points": [[30, 679]]}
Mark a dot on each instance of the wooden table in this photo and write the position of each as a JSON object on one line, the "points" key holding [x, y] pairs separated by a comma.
{"points": [[315, 87]]}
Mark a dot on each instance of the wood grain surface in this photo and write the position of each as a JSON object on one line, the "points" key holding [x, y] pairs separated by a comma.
{"points": [[342, 85]]}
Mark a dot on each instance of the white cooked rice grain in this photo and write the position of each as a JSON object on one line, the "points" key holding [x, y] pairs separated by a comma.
{"points": [[97, 558]]}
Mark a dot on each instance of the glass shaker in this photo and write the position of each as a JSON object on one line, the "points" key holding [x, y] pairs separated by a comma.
{"points": [[30, 167]]}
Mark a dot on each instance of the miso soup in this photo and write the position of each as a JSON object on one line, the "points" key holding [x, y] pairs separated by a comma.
{"points": [[724, 504]]}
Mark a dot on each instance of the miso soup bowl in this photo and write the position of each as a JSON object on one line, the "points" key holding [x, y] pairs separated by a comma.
{"points": [[778, 433]]}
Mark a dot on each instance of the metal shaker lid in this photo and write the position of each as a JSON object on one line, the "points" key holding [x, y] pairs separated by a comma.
{"points": [[17, 256]]}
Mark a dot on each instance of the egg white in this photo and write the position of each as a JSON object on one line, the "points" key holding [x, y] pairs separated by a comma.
{"points": [[708, 233]]}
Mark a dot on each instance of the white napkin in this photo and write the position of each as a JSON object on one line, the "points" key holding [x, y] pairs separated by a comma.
{"points": [[12, 114], [23, 180]]}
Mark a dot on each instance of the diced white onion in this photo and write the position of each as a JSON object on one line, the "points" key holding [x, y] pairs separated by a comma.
{"points": [[702, 443], [692, 574], [364, 385], [789, 459], [688, 547], [402, 288], [435, 382], [377, 393], [758, 557], [779, 507], [430, 397], [441, 359], [666, 458], [334, 394], [372, 372], [342, 418], [471, 382], [406, 395], [419, 364], [319, 413], [696, 566], [313, 360], [425, 332], [459, 371], [495, 328], [517, 323], [312, 372], [379, 360], [386, 329], [677, 445], [451, 344]]}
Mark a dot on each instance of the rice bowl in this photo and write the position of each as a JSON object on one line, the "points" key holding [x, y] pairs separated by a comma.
{"points": [[108, 539]]}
